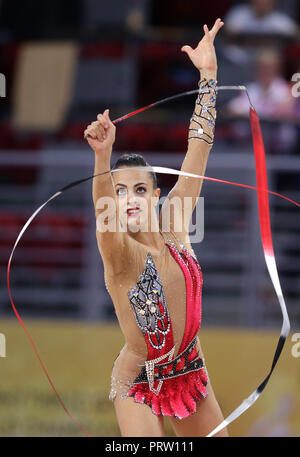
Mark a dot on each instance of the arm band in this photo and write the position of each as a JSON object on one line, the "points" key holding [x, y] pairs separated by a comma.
{"points": [[202, 122]]}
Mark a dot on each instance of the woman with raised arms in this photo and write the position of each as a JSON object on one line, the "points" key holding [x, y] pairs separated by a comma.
{"points": [[153, 276]]}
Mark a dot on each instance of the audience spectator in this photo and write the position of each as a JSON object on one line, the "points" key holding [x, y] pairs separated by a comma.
{"points": [[259, 17], [270, 93], [272, 98]]}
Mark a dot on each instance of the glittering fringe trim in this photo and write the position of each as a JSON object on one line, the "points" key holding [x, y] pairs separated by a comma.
{"points": [[178, 396]]}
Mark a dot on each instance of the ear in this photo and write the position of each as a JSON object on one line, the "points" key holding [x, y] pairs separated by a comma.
{"points": [[157, 192]]}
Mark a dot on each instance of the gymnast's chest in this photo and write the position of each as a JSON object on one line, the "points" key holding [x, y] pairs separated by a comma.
{"points": [[157, 282], [148, 281]]}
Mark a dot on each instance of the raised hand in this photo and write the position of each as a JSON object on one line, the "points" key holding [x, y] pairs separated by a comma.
{"points": [[101, 134], [204, 56]]}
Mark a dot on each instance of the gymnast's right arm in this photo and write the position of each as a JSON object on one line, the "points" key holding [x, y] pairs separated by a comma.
{"points": [[101, 135]]}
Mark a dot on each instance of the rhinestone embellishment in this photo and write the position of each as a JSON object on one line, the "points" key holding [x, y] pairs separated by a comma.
{"points": [[148, 302], [150, 364], [201, 122]]}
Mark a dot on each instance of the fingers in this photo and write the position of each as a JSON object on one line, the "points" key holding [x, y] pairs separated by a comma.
{"points": [[98, 129], [217, 26], [187, 49], [106, 114], [92, 141], [91, 132], [103, 120], [209, 35], [206, 31]]}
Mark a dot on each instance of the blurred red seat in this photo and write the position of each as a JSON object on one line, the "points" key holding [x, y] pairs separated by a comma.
{"points": [[101, 49]]}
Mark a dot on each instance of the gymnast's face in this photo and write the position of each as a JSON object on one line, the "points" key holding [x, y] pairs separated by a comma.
{"points": [[136, 199]]}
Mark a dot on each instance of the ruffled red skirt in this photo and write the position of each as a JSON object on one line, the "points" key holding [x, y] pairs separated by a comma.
{"points": [[178, 396]]}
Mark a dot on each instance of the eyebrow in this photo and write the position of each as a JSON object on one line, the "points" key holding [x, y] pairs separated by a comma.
{"points": [[124, 185]]}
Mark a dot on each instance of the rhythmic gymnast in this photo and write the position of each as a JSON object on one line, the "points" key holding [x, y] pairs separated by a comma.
{"points": [[153, 276]]}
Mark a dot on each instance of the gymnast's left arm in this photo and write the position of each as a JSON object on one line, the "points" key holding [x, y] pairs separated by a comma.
{"points": [[202, 122]]}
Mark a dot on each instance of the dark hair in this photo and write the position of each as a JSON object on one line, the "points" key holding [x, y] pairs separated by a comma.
{"points": [[132, 160]]}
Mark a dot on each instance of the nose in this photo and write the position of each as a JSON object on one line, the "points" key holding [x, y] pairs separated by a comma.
{"points": [[132, 203], [131, 198]]}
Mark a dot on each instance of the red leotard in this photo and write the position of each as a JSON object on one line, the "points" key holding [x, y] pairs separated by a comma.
{"points": [[177, 385]]}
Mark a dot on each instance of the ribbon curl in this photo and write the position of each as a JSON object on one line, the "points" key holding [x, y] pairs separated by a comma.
{"points": [[265, 230]]}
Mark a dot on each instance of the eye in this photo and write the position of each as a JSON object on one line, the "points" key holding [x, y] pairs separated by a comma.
{"points": [[121, 191], [143, 189]]}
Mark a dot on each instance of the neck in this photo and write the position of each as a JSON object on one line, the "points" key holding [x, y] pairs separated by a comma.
{"points": [[150, 238]]}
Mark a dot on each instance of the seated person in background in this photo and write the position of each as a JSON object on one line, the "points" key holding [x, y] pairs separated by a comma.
{"points": [[272, 98], [270, 93], [259, 17]]}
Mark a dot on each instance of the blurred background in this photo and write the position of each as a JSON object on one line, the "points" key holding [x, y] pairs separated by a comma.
{"points": [[65, 62]]}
